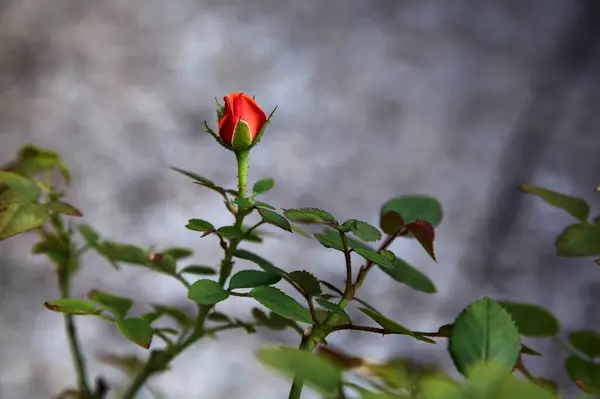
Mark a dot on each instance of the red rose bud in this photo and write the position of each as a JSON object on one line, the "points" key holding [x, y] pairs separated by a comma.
{"points": [[242, 121]]}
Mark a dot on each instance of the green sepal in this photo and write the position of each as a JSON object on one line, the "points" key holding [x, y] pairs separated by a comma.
{"points": [[242, 138], [215, 136], [220, 110], [259, 135]]}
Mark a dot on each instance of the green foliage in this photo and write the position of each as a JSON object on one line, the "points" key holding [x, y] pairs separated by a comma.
{"points": [[374, 257], [198, 270], [484, 332], [392, 327], [19, 213], [484, 341], [310, 216], [404, 273], [363, 230], [136, 330], [263, 185], [414, 207], [532, 320], [118, 305], [333, 308], [585, 374], [207, 292], [73, 306], [199, 225], [275, 219], [25, 188], [307, 282], [586, 341], [581, 239], [252, 278], [484, 381], [577, 207], [282, 304], [316, 371]]}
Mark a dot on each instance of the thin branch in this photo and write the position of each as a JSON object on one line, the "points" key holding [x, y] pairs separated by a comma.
{"points": [[349, 292], [226, 327], [364, 270], [257, 225], [240, 294]]}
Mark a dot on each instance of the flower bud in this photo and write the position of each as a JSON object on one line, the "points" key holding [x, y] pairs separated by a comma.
{"points": [[242, 121]]}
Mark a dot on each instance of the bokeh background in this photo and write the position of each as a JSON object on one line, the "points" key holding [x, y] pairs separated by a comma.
{"points": [[462, 100]]}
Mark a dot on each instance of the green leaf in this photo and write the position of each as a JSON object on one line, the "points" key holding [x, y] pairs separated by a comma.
{"points": [[64, 208], [275, 219], [580, 239], [300, 231], [424, 233], [585, 374], [179, 316], [118, 305], [203, 181], [484, 332], [26, 188], [532, 320], [334, 308], [309, 216], [277, 323], [406, 274], [199, 225], [495, 381], [178, 253], [219, 317], [199, 270], [526, 350], [389, 255], [18, 215], [390, 222], [374, 257], [439, 386], [333, 237], [260, 204], [32, 160], [207, 292], [321, 316], [415, 207], [264, 185], [329, 242], [243, 202], [73, 306], [575, 206], [309, 283], [55, 248], [314, 370], [230, 232], [136, 330], [90, 235], [586, 341], [281, 303], [252, 278], [162, 263], [260, 262], [392, 326], [363, 230], [125, 253]]}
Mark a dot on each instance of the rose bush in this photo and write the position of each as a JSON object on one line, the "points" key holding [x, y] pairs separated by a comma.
{"points": [[484, 341]]}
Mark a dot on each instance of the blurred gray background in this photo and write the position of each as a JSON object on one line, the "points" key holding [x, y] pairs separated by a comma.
{"points": [[462, 100]]}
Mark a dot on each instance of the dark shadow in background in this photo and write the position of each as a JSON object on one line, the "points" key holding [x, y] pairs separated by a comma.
{"points": [[572, 61], [533, 132]]}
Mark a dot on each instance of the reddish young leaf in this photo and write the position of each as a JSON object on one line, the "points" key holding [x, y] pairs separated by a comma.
{"points": [[424, 233]]}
